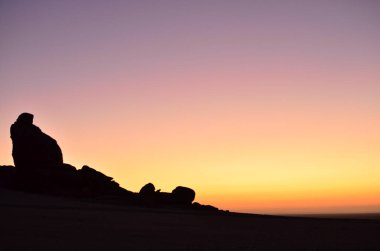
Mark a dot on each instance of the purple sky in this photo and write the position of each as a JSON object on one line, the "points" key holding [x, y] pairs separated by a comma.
{"points": [[114, 81]]}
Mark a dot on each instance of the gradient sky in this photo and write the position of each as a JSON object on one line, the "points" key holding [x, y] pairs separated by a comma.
{"points": [[260, 106]]}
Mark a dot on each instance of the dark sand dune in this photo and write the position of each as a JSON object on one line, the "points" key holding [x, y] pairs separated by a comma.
{"points": [[35, 222]]}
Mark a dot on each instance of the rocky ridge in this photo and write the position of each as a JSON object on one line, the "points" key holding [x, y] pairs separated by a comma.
{"points": [[39, 168]]}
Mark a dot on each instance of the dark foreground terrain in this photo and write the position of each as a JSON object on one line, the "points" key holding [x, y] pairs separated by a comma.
{"points": [[36, 222]]}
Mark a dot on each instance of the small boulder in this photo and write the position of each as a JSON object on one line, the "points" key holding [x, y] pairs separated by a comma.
{"points": [[183, 195], [148, 189]]}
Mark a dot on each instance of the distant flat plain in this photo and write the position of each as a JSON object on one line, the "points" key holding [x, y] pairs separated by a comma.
{"points": [[36, 222]]}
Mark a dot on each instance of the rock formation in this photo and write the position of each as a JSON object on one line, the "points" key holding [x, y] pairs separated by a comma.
{"points": [[33, 149], [39, 168], [182, 196]]}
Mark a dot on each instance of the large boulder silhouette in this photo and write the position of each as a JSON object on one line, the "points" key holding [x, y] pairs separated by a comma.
{"points": [[183, 195], [33, 149]]}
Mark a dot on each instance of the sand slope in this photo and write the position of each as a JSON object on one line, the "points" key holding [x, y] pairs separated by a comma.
{"points": [[34, 222]]}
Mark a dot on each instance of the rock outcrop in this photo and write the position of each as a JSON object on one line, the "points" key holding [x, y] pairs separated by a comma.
{"points": [[94, 182], [39, 168], [33, 149]]}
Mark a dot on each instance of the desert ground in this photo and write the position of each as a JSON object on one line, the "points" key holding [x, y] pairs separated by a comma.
{"points": [[37, 222]]}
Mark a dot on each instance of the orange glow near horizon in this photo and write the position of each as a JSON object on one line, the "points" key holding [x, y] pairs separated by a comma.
{"points": [[240, 159]]}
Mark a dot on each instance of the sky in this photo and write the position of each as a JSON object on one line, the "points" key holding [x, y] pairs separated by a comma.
{"points": [[259, 106]]}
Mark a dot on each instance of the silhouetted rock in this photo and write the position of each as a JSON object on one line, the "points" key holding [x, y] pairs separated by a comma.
{"points": [[183, 195], [68, 168], [164, 198], [95, 182], [7, 176], [39, 168], [33, 149], [198, 206], [147, 190]]}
